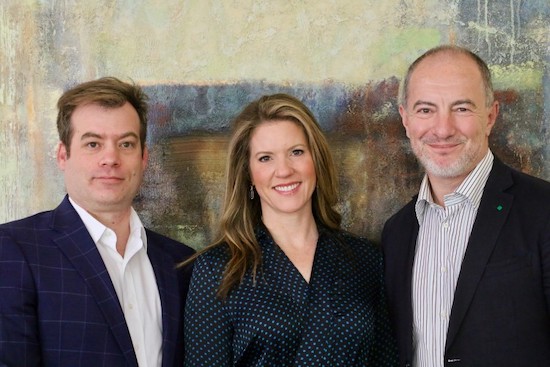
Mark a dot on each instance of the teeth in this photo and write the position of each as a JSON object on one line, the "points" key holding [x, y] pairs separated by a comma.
{"points": [[287, 188]]}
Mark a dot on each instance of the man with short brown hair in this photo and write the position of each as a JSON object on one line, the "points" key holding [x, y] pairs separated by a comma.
{"points": [[86, 284]]}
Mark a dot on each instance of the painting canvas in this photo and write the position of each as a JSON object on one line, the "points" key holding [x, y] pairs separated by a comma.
{"points": [[201, 62]]}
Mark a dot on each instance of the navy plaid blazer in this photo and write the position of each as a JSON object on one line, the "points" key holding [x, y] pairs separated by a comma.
{"points": [[58, 306]]}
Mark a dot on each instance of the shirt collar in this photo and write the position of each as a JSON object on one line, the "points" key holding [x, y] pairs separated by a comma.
{"points": [[471, 188], [97, 229]]}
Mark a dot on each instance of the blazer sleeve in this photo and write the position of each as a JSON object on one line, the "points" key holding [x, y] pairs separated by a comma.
{"points": [[19, 339], [208, 331]]}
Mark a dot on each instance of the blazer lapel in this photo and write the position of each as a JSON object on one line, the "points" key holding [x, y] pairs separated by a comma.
{"points": [[167, 283], [492, 213], [77, 245]]}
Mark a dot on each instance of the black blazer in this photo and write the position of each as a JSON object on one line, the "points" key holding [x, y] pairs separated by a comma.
{"points": [[501, 310], [58, 306]]}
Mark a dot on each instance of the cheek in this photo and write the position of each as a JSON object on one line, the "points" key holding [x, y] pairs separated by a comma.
{"points": [[309, 169], [475, 131], [413, 134], [255, 173]]}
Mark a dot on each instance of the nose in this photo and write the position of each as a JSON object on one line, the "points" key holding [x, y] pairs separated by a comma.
{"points": [[110, 156], [284, 168], [444, 125]]}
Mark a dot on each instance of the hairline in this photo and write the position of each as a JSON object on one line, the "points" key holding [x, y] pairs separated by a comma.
{"points": [[482, 67]]}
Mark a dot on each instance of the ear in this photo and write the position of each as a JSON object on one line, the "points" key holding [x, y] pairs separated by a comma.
{"points": [[492, 117], [61, 156], [404, 119]]}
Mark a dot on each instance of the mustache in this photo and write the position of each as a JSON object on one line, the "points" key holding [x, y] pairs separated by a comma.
{"points": [[436, 140]]}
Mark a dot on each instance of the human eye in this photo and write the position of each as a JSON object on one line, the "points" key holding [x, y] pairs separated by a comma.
{"points": [[264, 158], [92, 144], [423, 110], [297, 152], [127, 144], [462, 109]]}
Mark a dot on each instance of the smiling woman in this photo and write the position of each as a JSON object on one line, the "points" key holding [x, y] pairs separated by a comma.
{"points": [[282, 170], [283, 284]]}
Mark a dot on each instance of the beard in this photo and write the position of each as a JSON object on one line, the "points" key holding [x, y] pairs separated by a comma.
{"points": [[461, 166]]}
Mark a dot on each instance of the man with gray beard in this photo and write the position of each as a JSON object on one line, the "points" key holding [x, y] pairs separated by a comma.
{"points": [[467, 261]]}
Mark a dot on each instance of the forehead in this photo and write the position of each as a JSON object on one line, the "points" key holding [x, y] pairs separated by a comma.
{"points": [[277, 132], [94, 117], [446, 75], [446, 67]]}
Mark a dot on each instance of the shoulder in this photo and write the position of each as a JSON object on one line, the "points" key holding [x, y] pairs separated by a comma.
{"points": [[212, 260], [504, 177], [27, 227], [358, 247], [355, 259], [176, 249], [403, 213], [531, 185], [528, 192], [400, 224], [352, 239], [531, 196], [37, 218], [398, 229]]}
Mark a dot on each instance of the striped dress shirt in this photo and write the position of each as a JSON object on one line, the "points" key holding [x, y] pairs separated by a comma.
{"points": [[441, 244]]}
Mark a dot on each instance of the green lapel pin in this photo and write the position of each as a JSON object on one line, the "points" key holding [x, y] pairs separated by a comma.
{"points": [[499, 207]]}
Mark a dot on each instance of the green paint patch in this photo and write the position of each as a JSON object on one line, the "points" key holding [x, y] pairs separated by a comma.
{"points": [[527, 76], [397, 48]]}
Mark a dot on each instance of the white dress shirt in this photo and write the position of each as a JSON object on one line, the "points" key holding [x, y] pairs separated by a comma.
{"points": [[134, 282], [441, 244]]}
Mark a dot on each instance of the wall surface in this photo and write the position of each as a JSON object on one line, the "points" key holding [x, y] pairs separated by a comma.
{"points": [[201, 61]]}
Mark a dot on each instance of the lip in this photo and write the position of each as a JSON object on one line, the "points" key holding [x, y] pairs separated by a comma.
{"points": [[443, 148], [109, 179], [287, 188]]}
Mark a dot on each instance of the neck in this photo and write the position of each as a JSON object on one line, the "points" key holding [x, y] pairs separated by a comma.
{"points": [[293, 231], [118, 222], [297, 238], [439, 187]]}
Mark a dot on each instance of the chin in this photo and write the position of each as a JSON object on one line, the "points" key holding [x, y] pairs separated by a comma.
{"points": [[451, 170]]}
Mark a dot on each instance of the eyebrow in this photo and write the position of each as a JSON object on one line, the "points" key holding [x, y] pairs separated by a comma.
{"points": [[418, 103], [464, 101], [98, 136], [455, 103], [263, 152]]}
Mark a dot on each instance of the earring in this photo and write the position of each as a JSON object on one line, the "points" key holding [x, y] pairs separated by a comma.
{"points": [[251, 192]]}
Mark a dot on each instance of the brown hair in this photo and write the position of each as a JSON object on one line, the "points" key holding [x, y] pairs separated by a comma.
{"points": [[451, 49], [107, 92], [241, 215]]}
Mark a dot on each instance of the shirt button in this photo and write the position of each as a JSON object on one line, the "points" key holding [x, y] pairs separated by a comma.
{"points": [[443, 269], [445, 224], [130, 306]]}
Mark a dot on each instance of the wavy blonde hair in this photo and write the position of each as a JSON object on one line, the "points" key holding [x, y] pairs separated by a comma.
{"points": [[241, 215]]}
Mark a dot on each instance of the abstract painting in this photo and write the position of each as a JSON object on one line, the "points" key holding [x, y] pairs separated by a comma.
{"points": [[201, 62]]}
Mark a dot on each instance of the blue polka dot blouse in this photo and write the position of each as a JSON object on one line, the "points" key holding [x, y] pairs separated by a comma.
{"points": [[339, 318]]}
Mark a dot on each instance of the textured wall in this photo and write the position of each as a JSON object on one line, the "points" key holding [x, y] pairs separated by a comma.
{"points": [[201, 61]]}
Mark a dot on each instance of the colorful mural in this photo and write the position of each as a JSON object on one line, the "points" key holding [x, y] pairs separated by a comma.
{"points": [[202, 61]]}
